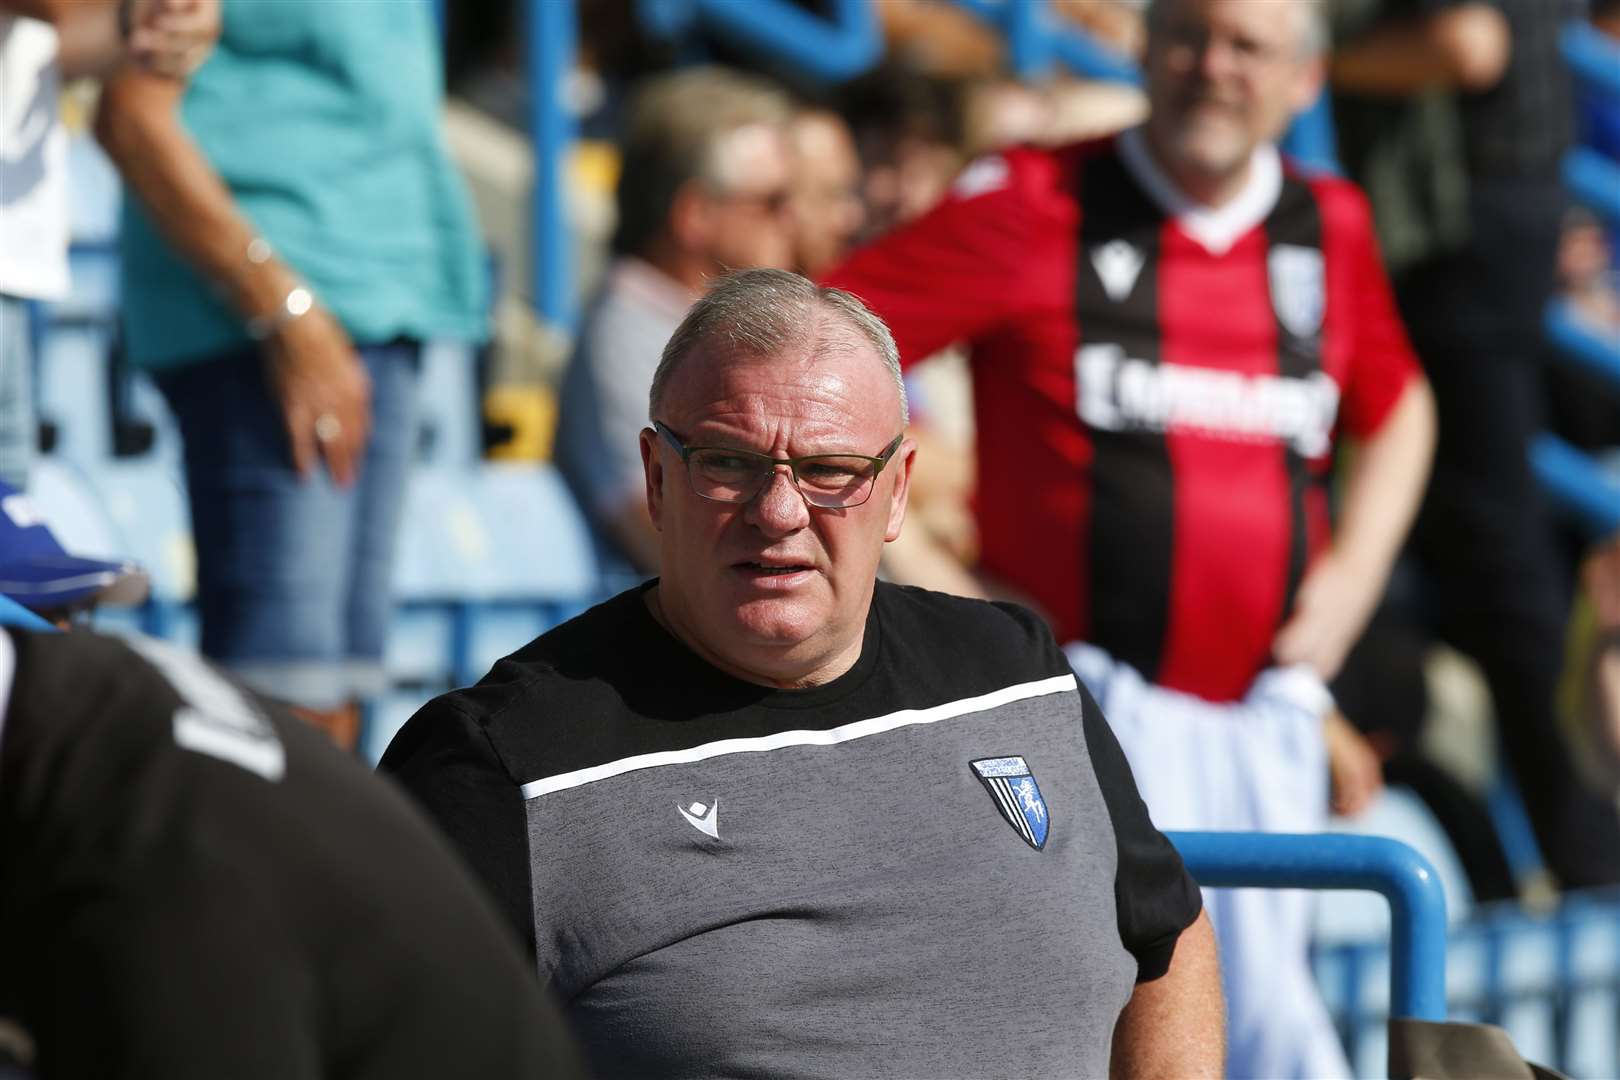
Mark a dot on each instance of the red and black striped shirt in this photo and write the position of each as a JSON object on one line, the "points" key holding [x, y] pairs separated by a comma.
{"points": [[1155, 408]]}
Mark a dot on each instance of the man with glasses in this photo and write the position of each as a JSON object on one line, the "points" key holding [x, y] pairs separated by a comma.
{"points": [[765, 815], [704, 188], [1169, 332]]}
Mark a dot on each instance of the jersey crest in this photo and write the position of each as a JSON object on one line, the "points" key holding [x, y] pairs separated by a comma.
{"points": [[1298, 288], [1118, 262], [1013, 789]]}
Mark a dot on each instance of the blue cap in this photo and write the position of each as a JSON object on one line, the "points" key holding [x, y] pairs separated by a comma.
{"points": [[39, 575], [14, 614]]}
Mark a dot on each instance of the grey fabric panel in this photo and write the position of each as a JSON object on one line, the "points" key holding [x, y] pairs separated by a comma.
{"points": [[866, 909]]}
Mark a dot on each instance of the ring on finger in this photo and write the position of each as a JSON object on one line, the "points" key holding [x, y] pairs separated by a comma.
{"points": [[327, 427]]}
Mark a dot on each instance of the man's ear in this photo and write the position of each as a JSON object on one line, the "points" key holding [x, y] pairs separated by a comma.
{"points": [[900, 464], [653, 469], [691, 217], [1308, 85]]}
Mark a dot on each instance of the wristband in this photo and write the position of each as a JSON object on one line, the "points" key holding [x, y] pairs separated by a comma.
{"points": [[258, 250], [296, 305]]}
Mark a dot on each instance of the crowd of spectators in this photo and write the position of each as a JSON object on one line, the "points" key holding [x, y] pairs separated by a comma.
{"points": [[282, 270]]}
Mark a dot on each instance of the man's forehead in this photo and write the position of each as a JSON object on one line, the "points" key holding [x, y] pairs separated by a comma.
{"points": [[840, 371], [1271, 19], [749, 149]]}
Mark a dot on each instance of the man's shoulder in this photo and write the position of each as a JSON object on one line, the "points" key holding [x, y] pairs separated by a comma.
{"points": [[635, 298], [1340, 201], [1027, 177], [571, 664], [964, 640]]}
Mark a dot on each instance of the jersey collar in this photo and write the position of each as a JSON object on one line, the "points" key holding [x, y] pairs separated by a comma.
{"points": [[1214, 229]]}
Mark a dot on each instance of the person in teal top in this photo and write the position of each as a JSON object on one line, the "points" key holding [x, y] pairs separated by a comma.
{"points": [[297, 230]]}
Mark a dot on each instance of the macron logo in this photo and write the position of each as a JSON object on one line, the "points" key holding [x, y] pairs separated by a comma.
{"points": [[705, 819], [1118, 263]]}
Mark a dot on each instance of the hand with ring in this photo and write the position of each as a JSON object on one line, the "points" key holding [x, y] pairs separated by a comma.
{"points": [[324, 394]]}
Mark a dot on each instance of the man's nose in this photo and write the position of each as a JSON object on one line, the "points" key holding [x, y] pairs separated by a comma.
{"points": [[779, 508], [1218, 59]]}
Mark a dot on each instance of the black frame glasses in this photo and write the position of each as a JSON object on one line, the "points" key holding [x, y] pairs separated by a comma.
{"points": [[727, 474]]}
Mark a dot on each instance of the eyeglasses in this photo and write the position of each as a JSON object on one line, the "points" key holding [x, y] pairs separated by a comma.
{"points": [[773, 203], [1186, 44], [728, 475]]}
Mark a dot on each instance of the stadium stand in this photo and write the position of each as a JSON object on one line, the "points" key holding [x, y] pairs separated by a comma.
{"points": [[492, 555]]}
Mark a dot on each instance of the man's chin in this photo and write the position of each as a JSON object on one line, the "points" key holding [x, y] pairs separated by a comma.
{"points": [[1211, 153], [777, 622]]}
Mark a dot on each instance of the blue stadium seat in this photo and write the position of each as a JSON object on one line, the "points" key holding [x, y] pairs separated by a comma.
{"points": [[146, 502], [448, 410], [95, 192], [439, 536], [145, 499], [494, 630], [489, 557], [74, 509], [384, 717], [541, 546], [72, 389]]}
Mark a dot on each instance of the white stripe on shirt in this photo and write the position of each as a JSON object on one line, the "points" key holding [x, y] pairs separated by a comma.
{"points": [[1057, 684]]}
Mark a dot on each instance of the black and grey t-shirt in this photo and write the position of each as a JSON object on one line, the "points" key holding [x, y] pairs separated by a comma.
{"points": [[935, 865]]}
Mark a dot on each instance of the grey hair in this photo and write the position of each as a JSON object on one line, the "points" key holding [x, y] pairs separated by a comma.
{"points": [[1315, 35], [759, 313], [673, 135]]}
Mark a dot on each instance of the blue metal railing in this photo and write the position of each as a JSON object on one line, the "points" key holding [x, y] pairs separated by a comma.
{"points": [[552, 35], [1572, 479], [1036, 41], [839, 45], [1339, 861]]}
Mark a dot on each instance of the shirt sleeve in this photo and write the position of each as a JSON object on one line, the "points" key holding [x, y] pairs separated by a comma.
{"points": [[958, 272], [1154, 896], [1382, 361], [444, 760], [603, 403]]}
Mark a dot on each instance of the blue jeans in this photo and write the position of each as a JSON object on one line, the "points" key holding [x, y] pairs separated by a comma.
{"points": [[292, 575], [17, 431]]}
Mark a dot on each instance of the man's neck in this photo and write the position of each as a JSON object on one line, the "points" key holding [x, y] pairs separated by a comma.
{"points": [[687, 269], [1210, 190]]}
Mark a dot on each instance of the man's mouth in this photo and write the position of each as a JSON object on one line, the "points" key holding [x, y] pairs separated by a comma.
{"points": [[772, 569]]}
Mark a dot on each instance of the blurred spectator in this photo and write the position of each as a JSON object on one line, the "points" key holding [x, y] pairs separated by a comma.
{"points": [[1591, 704], [1587, 274], [1584, 406], [824, 198], [281, 268], [195, 885], [909, 130], [42, 42], [998, 113], [38, 574], [1164, 328], [704, 187], [1456, 114]]}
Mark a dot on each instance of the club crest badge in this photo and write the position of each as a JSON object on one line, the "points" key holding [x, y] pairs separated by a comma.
{"points": [[1298, 288], [1013, 789]]}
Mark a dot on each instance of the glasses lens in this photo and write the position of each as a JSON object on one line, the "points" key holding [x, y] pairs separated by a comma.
{"points": [[831, 480], [727, 475]]}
